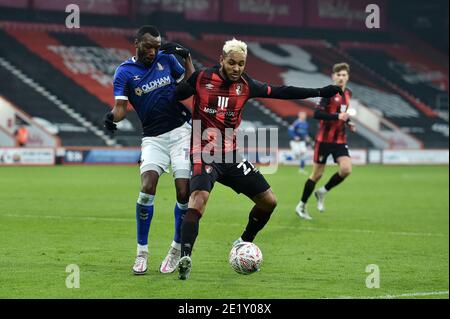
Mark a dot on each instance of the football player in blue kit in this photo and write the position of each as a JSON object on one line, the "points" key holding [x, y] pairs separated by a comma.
{"points": [[148, 81], [299, 132]]}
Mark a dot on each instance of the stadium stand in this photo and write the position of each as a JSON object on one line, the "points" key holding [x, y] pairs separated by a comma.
{"points": [[72, 71], [73, 68]]}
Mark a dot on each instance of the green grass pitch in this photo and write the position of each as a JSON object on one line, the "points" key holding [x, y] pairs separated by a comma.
{"points": [[393, 216]]}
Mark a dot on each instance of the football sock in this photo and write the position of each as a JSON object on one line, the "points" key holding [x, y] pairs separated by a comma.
{"points": [[257, 219], [142, 248], [144, 214], [335, 180], [179, 212], [189, 231], [308, 189], [302, 163]]}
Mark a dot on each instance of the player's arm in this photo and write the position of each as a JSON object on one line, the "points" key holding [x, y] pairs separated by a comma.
{"points": [[117, 114], [184, 53], [321, 114], [189, 67], [264, 90], [119, 110], [186, 89], [349, 122], [291, 131]]}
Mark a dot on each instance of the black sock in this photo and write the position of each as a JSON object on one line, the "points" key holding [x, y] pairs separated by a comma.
{"points": [[257, 219], [189, 231], [335, 180], [307, 191]]}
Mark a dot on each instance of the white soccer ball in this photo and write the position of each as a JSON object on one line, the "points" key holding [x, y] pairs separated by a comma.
{"points": [[245, 258]]}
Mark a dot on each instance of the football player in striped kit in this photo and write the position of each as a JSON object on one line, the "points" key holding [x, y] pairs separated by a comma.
{"points": [[220, 94], [331, 139]]}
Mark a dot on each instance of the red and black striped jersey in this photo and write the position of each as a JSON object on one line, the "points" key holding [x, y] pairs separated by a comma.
{"points": [[333, 131], [218, 104]]}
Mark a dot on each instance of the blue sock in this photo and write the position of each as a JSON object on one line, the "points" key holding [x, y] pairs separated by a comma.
{"points": [[144, 215], [302, 163], [179, 212]]}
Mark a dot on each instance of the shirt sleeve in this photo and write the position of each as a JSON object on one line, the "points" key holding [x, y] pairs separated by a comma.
{"points": [[291, 130], [321, 112], [323, 104], [264, 90], [120, 84], [176, 68], [193, 79], [258, 89], [188, 88]]}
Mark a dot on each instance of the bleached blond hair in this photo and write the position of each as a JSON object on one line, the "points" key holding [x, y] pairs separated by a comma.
{"points": [[234, 45]]}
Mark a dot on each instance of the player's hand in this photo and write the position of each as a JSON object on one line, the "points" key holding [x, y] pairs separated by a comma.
{"points": [[330, 91], [343, 117], [175, 48], [108, 122], [352, 126]]}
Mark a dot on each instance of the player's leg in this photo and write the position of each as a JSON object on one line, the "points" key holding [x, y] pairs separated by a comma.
{"points": [[144, 215], [201, 185], [265, 204], [154, 161], [295, 148], [342, 158], [245, 178], [302, 152], [179, 156], [308, 189], [189, 230], [321, 153], [345, 168], [170, 262]]}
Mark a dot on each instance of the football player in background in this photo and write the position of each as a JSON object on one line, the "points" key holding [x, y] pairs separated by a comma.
{"points": [[148, 81], [331, 139], [220, 94], [299, 132]]}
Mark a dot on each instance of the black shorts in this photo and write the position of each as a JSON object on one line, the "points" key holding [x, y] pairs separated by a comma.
{"points": [[242, 176], [323, 150]]}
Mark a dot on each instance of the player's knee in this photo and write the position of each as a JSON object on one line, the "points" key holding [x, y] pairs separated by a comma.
{"points": [[315, 177], [270, 202], [183, 195], [345, 171], [148, 188], [198, 200]]}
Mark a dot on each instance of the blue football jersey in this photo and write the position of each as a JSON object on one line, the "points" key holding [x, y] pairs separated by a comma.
{"points": [[150, 90], [299, 129]]}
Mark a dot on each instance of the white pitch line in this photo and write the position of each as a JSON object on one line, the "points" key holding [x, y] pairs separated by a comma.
{"points": [[113, 219], [412, 294]]}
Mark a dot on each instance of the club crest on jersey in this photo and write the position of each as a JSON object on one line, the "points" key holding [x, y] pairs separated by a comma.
{"points": [[343, 108], [138, 91], [238, 89], [209, 86], [208, 169], [159, 66]]}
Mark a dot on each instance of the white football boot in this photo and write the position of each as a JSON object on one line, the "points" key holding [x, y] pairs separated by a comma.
{"points": [[170, 263], [184, 267], [302, 212], [140, 264], [237, 241], [320, 196]]}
